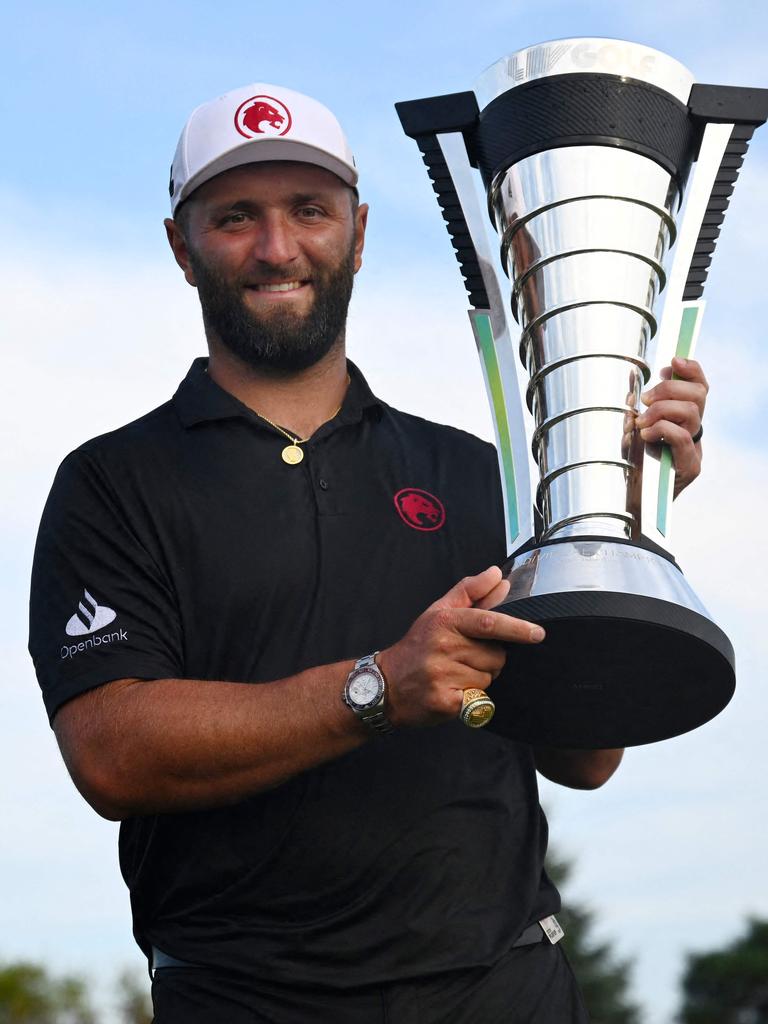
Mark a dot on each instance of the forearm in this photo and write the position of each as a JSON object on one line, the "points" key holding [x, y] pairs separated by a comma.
{"points": [[138, 747], [578, 769]]}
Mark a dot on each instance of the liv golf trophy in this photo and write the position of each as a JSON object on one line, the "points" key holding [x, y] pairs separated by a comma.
{"points": [[585, 148]]}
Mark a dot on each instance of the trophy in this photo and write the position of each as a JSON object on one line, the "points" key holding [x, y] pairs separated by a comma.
{"points": [[584, 149]]}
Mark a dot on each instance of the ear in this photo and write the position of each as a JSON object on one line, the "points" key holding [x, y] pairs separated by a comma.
{"points": [[361, 222], [178, 244]]}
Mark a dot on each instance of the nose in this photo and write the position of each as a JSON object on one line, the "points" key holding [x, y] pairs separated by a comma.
{"points": [[275, 242]]}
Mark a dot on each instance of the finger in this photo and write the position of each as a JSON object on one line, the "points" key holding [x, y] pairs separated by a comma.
{"points": [[684, 369], [487, 625], [676, 391], [471, 677], [676, 436], [471, 589], [495, 596], [489, 657], [686, 457], [442, 698], [689, 369], [685, 414], [474, 680]]}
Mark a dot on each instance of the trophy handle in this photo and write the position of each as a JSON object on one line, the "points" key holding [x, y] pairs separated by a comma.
{"points": [[730, 116], [496, 351], [438, 127]]}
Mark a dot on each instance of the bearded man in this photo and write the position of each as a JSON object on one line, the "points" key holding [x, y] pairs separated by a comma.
{"points": [[254, 656]]}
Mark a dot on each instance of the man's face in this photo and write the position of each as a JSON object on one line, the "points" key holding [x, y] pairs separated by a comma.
{"points": [[273, 249]]}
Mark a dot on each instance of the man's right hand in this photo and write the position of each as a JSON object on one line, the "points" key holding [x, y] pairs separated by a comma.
{"points": [[456, 644]]}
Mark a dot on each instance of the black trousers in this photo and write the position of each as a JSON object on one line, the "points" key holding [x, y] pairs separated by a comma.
{"points": [[530, 985]]}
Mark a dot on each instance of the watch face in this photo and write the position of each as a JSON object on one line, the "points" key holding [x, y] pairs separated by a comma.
{"points": [[365, 688]]}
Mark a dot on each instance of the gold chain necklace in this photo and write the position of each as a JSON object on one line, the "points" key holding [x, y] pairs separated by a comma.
{"points": [[292, 454]]}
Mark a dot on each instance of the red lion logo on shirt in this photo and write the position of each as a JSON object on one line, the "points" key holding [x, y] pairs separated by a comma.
{"points": [[262, 115], [419, 509]]}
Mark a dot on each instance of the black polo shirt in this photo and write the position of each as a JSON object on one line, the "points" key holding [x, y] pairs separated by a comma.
{"points": [[182, 545]]}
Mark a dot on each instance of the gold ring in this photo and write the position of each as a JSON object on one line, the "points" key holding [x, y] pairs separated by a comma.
{"points": [[477, 708]]}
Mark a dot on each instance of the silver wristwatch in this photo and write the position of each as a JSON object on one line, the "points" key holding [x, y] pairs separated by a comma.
{"points": [[364, 693]]}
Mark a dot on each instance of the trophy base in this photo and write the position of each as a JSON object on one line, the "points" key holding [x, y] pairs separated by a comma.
{"points": [[617, 668]]}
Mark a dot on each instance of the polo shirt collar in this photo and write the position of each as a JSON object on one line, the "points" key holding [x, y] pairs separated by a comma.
{"points": [[200, 399]]}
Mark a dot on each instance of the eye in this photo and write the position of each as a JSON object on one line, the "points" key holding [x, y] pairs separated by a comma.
{"points": [[234, 218], [310, 212]]}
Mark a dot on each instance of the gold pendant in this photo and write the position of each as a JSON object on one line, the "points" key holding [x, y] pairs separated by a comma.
{"points": [[292, 454]]}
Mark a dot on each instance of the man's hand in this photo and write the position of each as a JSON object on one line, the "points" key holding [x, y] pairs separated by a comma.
{"points": [[457, 643], [674, 414]]}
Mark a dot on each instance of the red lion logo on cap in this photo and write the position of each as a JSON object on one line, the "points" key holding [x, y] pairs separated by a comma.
{"points": [[262, 115], [419, 509]]}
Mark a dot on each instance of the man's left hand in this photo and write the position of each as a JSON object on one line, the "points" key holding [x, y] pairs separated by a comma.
{"points": [[674, 414]]}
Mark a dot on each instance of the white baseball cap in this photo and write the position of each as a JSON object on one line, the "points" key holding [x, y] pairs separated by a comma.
{"points": [[257, 122]]}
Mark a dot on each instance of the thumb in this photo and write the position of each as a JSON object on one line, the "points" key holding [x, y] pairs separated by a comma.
{"points": [[471, 589]]}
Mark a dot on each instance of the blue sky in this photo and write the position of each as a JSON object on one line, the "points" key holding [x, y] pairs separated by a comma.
{"points": [[98, 327]]}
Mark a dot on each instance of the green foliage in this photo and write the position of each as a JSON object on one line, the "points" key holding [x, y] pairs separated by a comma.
{"points": [[29, 995], [729, 986], [604, 981], [134, 1003]]}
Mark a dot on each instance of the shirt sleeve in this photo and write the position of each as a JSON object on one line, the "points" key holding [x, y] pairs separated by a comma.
{"points": [[101, 608]]}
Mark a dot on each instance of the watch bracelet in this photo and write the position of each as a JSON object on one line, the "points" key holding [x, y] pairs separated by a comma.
{"points": [[377, 722]]}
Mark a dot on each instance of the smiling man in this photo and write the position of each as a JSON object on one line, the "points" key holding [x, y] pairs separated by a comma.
{"points": [[309, 831], [291, 261]]}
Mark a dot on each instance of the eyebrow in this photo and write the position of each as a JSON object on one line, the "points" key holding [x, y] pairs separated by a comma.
{"points": [[249, 206]]}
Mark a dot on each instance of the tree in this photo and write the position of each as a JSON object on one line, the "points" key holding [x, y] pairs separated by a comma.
{"points": [[134, 1004], [729, 986], [29, 995], [604, 981]]}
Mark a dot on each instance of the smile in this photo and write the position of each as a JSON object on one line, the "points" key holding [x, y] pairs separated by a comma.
{"points": [[286, 286]]}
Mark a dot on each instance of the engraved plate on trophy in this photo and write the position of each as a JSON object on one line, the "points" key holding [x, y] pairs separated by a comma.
{"points": [[605, 172]]}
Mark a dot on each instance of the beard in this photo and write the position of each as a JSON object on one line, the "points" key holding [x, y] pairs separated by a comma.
{"points": [[283, 341]]}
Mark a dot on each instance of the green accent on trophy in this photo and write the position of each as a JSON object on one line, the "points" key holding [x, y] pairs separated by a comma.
{"points": [[685, 340], [484, 336]]}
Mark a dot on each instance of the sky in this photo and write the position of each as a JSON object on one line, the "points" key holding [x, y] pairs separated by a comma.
{"points": [[99, 327]]}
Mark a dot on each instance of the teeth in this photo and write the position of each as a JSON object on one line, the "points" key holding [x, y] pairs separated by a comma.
{"points": [[288, 286]]}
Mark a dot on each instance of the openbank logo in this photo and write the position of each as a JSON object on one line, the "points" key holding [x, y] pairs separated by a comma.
{"points": [[89, 617], [70, 650]]}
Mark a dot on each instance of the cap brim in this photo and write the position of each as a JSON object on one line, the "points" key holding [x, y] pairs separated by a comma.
{"points": [[268, 149]]}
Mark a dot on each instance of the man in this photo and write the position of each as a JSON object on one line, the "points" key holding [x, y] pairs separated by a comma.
{"points": [[253, 647]]}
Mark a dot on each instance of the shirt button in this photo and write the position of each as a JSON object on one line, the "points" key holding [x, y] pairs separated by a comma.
{"points": [[323, 484]]}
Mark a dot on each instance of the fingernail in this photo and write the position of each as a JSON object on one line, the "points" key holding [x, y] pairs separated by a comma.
{"points": [[537, 634], [640, 421]]}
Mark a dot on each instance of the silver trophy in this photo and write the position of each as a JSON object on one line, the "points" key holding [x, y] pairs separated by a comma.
{"points": [[581, 151]]}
